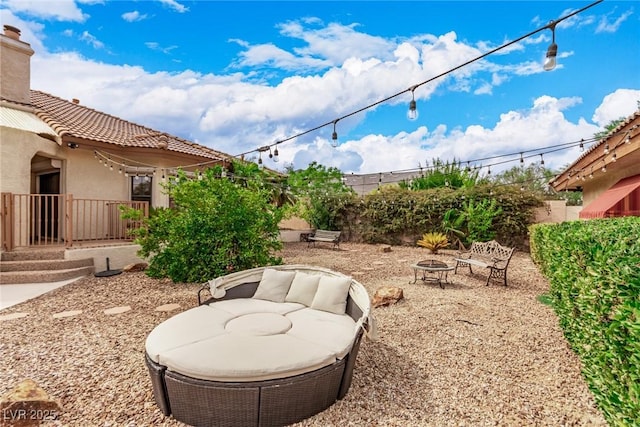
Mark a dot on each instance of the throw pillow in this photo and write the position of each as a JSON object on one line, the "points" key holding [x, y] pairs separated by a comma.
{"points": [[274, 285], [332, 294], [303, 288]]}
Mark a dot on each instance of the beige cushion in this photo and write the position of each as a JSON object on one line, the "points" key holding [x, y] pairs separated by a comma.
{"points": [[332, 294], [185, 328], [258, 324], [274, 285], [335, 332], [236, 357], [303, 288], [241, 306]]}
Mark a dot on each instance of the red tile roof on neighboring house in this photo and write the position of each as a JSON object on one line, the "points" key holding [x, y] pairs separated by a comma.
{"points": [[72, 119]]}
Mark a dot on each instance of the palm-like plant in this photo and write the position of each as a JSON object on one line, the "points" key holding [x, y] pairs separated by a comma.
{"points": [[434, 242]]}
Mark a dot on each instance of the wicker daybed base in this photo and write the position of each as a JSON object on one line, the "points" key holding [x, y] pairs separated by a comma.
{"points": [[262, 403], [273, 402]]}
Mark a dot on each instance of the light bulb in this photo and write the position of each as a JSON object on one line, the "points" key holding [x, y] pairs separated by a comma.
{"points": [[412, 112], [334, 139], [275, 155], [550, 60]]}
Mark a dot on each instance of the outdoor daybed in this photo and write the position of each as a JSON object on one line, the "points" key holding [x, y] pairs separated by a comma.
{"points": [[271, 346]]}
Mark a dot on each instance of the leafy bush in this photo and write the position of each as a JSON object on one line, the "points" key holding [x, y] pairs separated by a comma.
{"points": [[399, 216], [594, 271], [321, 195], [217, 226]]}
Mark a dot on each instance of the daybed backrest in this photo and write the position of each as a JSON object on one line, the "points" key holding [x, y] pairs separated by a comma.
{"points": [[243, 284]]}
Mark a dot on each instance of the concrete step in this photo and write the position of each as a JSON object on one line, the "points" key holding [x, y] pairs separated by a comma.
{"points": [[33, 255], [44, 276], [37, 265]]}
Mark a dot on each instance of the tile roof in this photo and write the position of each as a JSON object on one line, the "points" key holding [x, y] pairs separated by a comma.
{"points": [[72, 119]]}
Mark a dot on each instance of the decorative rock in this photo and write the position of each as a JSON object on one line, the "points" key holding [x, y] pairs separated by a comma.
{"points": [[13, 316], [69, 313], [385, 248], [117, 310], [168, 307], [27, 405], [131, 268], [387, 295]]}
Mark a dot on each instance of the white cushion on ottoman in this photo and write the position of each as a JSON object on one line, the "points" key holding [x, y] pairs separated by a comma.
{"points": [[184, 328], [243, 358], [334, 332], [240, 306]]}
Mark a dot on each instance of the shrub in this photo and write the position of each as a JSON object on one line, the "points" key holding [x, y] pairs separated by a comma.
{"points": [[217, 226], [594, 271]]}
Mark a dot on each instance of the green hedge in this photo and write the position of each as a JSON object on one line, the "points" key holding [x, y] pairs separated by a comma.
{"points": [[594, 271], [397, 216]]}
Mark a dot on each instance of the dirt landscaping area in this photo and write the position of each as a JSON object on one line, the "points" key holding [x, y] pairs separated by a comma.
{"points": [[465, 355]]}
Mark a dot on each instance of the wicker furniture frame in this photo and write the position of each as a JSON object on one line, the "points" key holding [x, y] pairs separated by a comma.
{"points": [[491, 255], [274, 402]]}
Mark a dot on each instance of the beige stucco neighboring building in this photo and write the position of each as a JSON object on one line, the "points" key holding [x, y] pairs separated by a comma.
{"points": [[61, 161], [608, 173]]}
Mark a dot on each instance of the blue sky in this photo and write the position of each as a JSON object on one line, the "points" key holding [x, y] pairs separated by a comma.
{"points": [[239, 75]]}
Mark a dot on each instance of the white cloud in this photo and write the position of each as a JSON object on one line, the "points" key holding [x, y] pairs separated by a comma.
{"points": [[172, 4], [134, 16], [621, 103], [604, 26], [156, 46], [91, 39], [543, 125], [59, 10]]}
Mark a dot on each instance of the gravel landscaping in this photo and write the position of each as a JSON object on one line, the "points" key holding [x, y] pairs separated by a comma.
{"points": [[466, 355]]}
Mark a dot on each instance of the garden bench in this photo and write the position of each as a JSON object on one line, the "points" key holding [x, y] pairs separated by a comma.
{"points": [[491, 255], [325, 236]]}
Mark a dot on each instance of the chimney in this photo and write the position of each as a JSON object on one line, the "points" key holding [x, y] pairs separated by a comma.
{"points": [[15, 66]]}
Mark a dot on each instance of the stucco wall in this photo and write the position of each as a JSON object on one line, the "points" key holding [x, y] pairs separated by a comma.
{"points": [[17, 148]]}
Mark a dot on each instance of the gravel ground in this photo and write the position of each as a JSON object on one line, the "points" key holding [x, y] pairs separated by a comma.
{"points": [[466, 355]]}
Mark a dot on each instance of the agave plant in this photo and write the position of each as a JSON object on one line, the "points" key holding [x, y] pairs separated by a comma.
{"points": [[434, 242]]}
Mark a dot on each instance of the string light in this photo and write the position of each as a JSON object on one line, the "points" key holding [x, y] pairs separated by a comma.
{"points": [[412, 113], [548, 65], [334, 135], [552, 50]]}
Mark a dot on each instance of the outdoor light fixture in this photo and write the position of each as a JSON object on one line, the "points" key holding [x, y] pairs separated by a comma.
{"points": [[73, 145], [552, 51], [334, 135], [521, 159], [541, 159], [412, 113], [606, 148], [275, 155]]}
